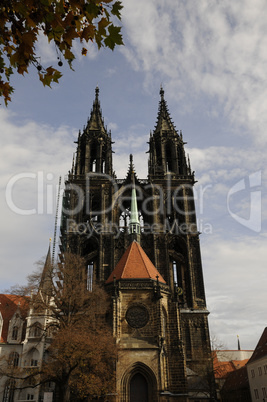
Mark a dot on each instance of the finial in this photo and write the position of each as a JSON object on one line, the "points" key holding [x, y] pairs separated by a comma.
{"points": [[238, 343], [161, 92], [131, 164], [96, 92]]}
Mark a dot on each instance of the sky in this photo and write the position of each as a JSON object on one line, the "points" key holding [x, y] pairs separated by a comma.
{"points": [[211, 59]]}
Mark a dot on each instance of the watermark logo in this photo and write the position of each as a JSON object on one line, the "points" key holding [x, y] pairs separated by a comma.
{"points": [[251, 185], [89, 228], [175, 206]]}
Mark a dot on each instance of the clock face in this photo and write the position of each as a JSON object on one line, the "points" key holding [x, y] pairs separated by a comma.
{"points": [[137, 316]]}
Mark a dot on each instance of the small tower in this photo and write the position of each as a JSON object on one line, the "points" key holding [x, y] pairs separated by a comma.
{"points": [[166, 145], [38, 332]]}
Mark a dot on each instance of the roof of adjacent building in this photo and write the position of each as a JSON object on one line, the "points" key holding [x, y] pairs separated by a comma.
{"points": [[223, 368], [229, 355], [9, 304], [135, 264], [237, 380], [261, 348]]}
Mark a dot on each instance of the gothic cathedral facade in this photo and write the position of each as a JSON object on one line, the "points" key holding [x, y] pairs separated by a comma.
{"points": [[139, 239]]}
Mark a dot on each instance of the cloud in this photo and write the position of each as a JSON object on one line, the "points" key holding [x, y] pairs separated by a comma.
{"points": [[211, 48], [45, 50], [232, 271], [33, 157], [113, 126]]}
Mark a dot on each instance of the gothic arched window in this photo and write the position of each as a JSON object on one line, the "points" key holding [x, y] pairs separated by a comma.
{"points": [[13, 360], [90, 276], [35, 330], [8, 395], [124, 219], [93, 156], [175, 273], [169, 159], [158, 154], [32, 358], [15, 331]]}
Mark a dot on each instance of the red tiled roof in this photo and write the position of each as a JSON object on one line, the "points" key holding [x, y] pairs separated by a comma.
{"points": [[135, 264], [261, 348], [8, 306], [239, 363], [222, 369]]}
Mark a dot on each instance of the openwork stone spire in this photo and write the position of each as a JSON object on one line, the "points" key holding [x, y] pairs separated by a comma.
{"points": [[164, 122]]}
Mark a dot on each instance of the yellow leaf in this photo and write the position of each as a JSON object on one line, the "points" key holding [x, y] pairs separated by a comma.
{"points": [[88, 32], [28, 38], [69, 55], [84, 51]]}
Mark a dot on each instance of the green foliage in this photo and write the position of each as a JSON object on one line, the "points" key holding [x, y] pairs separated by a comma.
{"points": [[62, 22]]}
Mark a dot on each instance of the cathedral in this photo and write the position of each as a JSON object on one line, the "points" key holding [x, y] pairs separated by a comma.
{"points": [[140, 240]]}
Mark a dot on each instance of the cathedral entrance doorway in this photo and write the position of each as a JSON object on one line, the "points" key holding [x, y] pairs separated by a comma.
{"points": [[139, 384], [138, 388]]}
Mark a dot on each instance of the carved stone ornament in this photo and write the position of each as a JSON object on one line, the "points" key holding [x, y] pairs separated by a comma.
{"points": [[137, 316]]}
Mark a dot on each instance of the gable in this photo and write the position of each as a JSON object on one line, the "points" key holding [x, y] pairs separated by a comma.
{"points": [[9, 306]]}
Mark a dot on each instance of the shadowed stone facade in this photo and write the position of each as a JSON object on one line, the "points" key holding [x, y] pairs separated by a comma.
{"points": [[159, 321]]}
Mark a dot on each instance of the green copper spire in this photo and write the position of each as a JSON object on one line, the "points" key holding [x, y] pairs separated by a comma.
{"points": [[134, 226]]}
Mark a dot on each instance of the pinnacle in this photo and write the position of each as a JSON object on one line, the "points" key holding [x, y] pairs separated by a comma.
{"points": [[96, 121], [164, 121]]}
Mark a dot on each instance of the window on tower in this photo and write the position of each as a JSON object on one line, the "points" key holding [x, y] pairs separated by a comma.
{"points": [[169, 164], [90, 276], [13, 360], [35, 330], [15, 331], [174, 269], [94, 165], [124, 220], [158, 155]]}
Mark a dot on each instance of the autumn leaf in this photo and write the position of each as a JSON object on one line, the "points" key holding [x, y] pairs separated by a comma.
{"points": [[114, 38], [22, 68], [88, 33], [69, 55], [116, 9], [84, 51], [61, 22], [5, 91], [103, 23]]}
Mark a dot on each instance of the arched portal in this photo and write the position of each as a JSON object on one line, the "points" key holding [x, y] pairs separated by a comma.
{"points": [[138, 388], [139, 384]]}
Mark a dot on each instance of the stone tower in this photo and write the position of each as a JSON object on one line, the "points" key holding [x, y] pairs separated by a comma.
{"points": [[139, 238]]}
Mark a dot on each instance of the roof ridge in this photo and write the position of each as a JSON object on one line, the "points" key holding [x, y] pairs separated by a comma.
{"points": [[128, 256], [135, 264], [139, 250]]}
